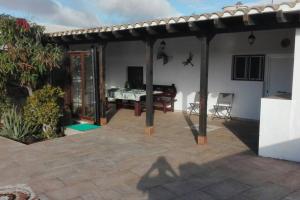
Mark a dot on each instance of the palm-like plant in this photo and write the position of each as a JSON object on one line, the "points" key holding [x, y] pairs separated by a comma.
{"points": [[14, 127]]}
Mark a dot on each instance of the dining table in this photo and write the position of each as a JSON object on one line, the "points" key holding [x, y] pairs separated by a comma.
{"points": [[133, 95]]}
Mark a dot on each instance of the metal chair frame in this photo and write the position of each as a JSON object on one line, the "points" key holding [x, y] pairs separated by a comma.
{"points": [[224, 103], [195, 106]]}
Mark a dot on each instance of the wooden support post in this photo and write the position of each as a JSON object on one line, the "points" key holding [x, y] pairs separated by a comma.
{"points": [[149, 129], [102, 104], [96, 84], [204, 45]]}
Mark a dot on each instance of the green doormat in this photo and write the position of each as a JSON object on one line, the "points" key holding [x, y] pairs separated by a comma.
{"points": [[83, 127]]}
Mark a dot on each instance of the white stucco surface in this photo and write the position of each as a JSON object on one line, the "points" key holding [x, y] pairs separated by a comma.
{"points": [[280, 119], [186, 78]]}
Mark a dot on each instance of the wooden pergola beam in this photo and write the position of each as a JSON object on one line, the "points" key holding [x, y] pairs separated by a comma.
{"points": [[96, 84], [151, 31], [117, 34], [171, 28], [103, 36], [149, 129], [77, 37], [66, 38], [90, 37], [281, 17], [135, 33], [248, 20], [193, 26], [219, 24], [102, 78], [204, 46]]}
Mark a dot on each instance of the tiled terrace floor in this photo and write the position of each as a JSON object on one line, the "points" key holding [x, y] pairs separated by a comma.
{"points": [[120, 162]]}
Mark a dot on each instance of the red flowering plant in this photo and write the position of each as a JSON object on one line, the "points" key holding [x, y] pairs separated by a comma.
{"points": [[25, 59], [22, 23]]}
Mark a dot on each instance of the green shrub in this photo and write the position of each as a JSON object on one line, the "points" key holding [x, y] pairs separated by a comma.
{"points": [[43, 109], [14, 127], [5, 105]]}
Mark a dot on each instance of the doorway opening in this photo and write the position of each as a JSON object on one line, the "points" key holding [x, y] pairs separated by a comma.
{"points": [[83, 105], [135, 77]]}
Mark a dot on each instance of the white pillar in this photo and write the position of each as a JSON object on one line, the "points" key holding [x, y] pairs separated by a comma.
{"points": [[295, 107]]}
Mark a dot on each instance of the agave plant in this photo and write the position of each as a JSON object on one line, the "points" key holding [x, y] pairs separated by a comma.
{"points": [[14, 127]]}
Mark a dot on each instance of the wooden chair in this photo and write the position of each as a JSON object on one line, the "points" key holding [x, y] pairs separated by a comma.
{"points": [[166, 100]]}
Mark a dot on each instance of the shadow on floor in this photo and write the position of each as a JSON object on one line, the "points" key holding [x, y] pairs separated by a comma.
{"points": [[217, 179], [191, 125], [246, 131]]}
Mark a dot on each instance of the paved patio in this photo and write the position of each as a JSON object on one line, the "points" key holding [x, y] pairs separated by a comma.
{"points": [[119, 162]]}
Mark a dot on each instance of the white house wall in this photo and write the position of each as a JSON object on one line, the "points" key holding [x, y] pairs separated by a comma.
{"points": [[186, 78], [280, 119]]}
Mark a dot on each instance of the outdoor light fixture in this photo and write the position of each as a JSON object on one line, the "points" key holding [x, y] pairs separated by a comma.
{"points": [[251, 38]]}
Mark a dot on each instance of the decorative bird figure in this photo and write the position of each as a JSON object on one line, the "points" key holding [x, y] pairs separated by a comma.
{"points": [[189, 60]]}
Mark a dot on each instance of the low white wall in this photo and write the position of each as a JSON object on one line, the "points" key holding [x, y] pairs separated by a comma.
{"points": [[186, 78], [274, 137], [280, 119]]}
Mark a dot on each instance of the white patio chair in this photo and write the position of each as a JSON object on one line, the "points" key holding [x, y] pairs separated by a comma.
{"points": [[223, 108], [195, 106]]}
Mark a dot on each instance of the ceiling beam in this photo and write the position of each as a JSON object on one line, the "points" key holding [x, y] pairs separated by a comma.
{"points": [[281, 17], [117, 34], [248, 20], [134, 33], [193, 26], [171, 28], [78, 37], [151, 31], [103, 35], [89, 36], [66, 38], [219, 24]]}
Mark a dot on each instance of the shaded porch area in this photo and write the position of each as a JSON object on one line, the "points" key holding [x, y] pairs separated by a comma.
{"points": [[181, 128]]}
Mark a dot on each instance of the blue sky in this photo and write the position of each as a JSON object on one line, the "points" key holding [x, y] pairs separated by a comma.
{"points": [[90, 13]]}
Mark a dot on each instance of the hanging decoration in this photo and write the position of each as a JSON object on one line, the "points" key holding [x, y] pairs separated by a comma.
{"points": [[161, 54], [251, 38], [189, 60]]}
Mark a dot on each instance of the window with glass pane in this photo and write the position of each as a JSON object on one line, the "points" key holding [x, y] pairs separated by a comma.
{"points": [[240, 67], [256, 68], [248, 67]]}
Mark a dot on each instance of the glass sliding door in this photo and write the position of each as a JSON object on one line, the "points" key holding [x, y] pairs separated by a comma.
{"points": [[82, 90], [89, 92]]}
